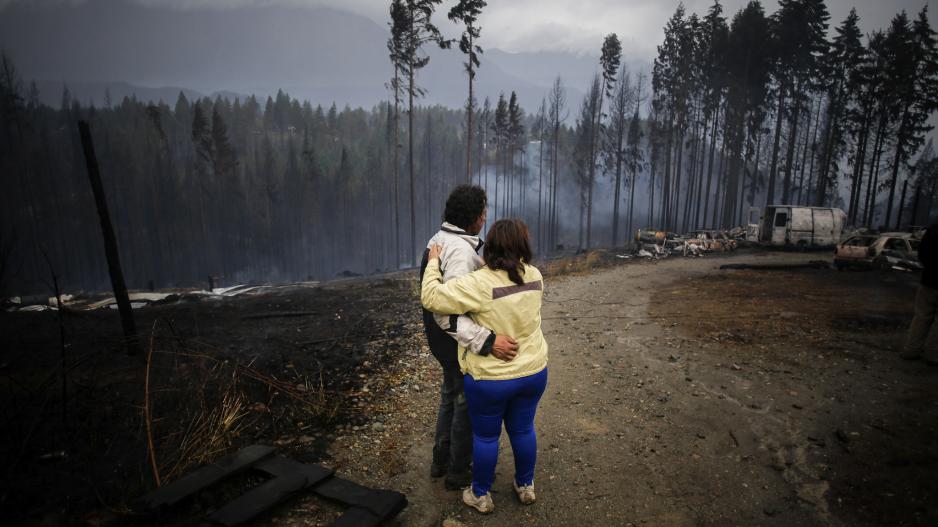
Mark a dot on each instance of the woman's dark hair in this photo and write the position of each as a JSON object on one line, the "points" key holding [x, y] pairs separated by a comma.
{"points": [[464, 206], [507, 247]]}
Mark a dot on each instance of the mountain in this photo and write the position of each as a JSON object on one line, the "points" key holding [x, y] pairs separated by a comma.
{"points": [[96, 92], [321, 54]]}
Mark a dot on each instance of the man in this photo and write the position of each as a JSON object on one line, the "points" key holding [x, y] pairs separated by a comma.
{"points": [[464, 217], [920, 343]]}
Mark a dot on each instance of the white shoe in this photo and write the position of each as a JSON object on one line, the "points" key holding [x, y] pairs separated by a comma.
{"points": [[525, 492], [482, 504]]}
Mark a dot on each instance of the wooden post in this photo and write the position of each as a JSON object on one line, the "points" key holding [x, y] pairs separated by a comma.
{"points": [[110, 241]]}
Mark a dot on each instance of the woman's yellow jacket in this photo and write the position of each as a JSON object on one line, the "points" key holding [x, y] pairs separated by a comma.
{"points": [[493, 301]]}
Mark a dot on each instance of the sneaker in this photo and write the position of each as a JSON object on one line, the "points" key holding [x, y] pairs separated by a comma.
{"points": [[525, 492], [483, 504], [457, 480]]}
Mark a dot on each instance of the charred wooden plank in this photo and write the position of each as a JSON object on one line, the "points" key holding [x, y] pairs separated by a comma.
{"points": [[279, 466], [357, 517], [385, 504], [259, 499], [206, 476]]}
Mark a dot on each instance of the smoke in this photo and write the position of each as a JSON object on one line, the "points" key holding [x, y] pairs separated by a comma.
{"points": [[372, 9]]}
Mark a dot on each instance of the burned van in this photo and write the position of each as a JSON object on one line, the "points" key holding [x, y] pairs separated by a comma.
{"points": [[801, 227]]}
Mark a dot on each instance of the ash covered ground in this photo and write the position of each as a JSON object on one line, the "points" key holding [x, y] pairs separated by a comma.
{"points": [[678, 394]]}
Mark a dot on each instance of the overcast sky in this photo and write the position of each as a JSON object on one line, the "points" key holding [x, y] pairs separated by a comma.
{"points": [[574, 25]]}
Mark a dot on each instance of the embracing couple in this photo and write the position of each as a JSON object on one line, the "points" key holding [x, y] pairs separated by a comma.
{"points": [[482, 317]]}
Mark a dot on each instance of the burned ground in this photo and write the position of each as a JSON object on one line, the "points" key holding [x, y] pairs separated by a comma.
{"points": [[679, 394], [816, 350], [284, 367]]}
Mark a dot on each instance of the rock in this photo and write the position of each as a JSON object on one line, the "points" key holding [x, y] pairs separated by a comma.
{"points": [[813, 492], [377, 427], [452, 522]]}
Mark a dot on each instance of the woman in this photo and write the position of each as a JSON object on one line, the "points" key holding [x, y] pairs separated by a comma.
{"points": [[505, 296]]}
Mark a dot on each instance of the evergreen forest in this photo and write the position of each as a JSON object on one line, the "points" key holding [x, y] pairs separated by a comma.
{"points": [[739, 111]]}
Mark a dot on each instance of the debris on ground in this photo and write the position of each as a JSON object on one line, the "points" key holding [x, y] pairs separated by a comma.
{"points": [[813, 264], [140, 299], [365, 506], [654, 244]]}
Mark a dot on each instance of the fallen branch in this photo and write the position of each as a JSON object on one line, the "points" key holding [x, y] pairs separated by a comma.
{"points": [[279, 314], [146, 408], [814, 264]]}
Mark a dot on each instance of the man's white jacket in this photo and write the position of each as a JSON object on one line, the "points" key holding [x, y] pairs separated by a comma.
{"points": [[460, 256]]}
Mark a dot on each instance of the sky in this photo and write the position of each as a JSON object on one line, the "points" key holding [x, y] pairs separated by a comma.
{"points": [[572, 25]]}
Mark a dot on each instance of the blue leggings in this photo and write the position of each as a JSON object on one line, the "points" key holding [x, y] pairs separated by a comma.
{"points": [[490, 403]]}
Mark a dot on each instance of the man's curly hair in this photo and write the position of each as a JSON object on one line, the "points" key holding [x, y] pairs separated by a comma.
{"points": [[464, 205]]}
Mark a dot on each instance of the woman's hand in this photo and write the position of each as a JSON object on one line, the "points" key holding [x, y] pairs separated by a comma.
{"points": [[435, 251]]}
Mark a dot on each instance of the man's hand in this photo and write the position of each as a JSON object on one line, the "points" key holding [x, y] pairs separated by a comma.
{"points": [[504, 348], [435, 251]]}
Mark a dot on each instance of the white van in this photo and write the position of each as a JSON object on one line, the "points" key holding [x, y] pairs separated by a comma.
{"points": [[801, 227]]}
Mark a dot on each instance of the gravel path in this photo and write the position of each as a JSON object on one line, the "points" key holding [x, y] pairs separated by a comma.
{"points": [[680, 394]]}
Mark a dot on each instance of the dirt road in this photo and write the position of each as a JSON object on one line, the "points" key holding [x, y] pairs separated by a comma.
{"points": [[680, 394]]}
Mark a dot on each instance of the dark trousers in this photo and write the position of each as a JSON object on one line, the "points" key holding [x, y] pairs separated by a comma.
{"points": [[452, 444]]}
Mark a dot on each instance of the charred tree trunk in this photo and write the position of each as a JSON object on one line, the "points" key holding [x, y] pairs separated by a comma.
{"points": [[790, 156], [713, 144], [540, 193], [905, 187], [871, 191], [110, 242], [721, 175], [856, 187], [773, 169]]}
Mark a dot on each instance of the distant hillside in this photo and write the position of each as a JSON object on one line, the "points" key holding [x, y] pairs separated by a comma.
{"points": [[320, 54], [50, 92]]}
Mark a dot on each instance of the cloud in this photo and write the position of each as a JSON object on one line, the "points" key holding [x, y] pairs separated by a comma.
{"points": [[529, 25], [560, 25]]}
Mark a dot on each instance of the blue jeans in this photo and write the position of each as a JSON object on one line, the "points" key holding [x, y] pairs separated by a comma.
{"points": [[513, 402]]}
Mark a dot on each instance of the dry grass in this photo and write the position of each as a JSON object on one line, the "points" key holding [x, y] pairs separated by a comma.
{"points": [[578, 264], [199, 404]]}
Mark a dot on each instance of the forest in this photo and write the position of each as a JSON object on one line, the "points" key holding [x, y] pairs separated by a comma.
{"points": [[737, 112]]}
